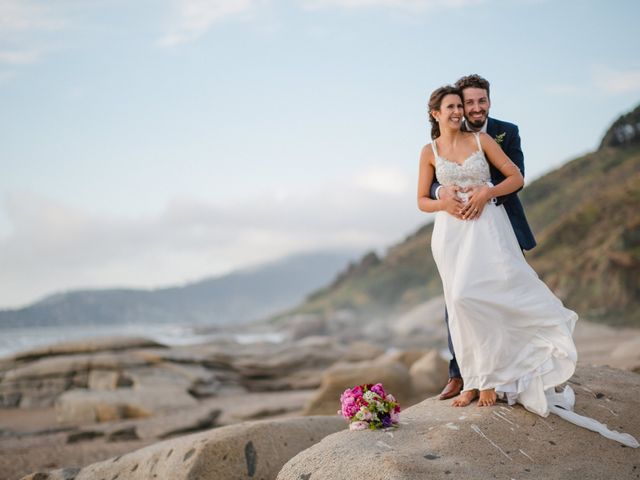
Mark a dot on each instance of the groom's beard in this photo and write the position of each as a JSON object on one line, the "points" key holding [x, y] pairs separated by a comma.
{"points": [[477, 124]]}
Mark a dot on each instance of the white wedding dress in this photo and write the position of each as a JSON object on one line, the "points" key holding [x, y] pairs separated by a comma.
{"points": [[509, 331]]}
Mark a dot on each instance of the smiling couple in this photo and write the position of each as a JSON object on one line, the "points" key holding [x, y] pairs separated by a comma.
{"points": [[511, 338]]}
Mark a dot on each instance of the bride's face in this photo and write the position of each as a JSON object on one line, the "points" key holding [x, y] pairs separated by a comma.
{"points": [[451, 111]]}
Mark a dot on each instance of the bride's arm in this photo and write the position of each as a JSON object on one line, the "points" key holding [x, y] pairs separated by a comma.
{"points": [[512, 182], [425, 179]]}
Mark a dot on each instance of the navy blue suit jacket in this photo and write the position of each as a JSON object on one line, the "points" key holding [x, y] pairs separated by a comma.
{"points": [[507, 135]]}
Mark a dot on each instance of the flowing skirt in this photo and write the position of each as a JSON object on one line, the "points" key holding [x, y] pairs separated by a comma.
{"points": [[509, 331]]}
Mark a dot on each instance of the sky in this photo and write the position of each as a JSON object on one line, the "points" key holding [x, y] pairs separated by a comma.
{"points": [[154, 143]]}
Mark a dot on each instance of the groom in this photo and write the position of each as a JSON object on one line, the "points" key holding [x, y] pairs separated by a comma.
{"points": [[476, 101]]}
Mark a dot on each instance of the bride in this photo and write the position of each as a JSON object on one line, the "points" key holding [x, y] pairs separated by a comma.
{"points": [[512, 336]]}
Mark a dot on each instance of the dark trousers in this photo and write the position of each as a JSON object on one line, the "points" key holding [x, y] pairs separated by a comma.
{"points": [[454, 370]]}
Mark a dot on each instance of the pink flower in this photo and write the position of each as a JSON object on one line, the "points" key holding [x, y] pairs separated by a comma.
{"points": [[358, 426], [395, 417], [366, 415], [357, 391], [349, 407], [377, 388]]}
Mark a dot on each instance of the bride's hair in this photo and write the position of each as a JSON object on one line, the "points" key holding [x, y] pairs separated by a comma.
{"points": [[435, 101]]}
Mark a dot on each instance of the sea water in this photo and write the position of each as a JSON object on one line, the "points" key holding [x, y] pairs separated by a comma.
{"points": [[14, 340]]}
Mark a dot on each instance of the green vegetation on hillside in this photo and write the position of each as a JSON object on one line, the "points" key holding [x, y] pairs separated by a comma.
{"points": [[586, 218]]}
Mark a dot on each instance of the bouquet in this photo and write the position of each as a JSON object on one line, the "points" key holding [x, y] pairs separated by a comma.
{"points": [[368, 406]]}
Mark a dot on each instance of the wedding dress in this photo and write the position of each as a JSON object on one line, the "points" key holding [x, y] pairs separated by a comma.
{"points": [[509, 331]]}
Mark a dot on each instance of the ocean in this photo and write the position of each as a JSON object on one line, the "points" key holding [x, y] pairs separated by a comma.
{"points": [[14, 340]]}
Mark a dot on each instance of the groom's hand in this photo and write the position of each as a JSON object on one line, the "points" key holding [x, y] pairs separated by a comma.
{"points": [[451, 202], [478, 198]]}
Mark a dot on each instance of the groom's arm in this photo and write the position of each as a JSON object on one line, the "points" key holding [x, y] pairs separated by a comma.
{"points": [[433, 192], [451, 202], [513, 150]]}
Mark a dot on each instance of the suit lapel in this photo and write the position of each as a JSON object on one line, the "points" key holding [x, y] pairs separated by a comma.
{"points": [[491, 128]]}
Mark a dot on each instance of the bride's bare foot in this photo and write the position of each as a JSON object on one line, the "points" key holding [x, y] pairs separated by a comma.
{"points": [[465, 398], [487, 398]]}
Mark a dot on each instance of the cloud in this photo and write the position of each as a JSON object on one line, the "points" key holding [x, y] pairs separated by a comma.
{"points": [[604, 79], [6, 76], [385, 181], [616, 81], [53, 247], [21, 23], [565, 89], [196, 17], [408, 5], [19, 57], [23, 15]]}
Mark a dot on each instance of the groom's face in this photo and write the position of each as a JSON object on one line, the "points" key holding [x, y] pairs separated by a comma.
{"points": [[476, 106]]}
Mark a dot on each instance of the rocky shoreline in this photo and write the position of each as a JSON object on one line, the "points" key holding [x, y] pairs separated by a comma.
{"points": [[66, 407]]}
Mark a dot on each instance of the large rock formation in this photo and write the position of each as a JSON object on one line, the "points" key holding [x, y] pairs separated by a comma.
{"points": [[247, 450], [437, 441], [133, 367]]}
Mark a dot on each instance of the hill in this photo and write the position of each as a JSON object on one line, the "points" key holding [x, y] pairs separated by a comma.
{"points": [[587, 222], [237, 297]]}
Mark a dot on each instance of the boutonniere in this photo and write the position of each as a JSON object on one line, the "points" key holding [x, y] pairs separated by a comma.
{"points": [[500, 138]]}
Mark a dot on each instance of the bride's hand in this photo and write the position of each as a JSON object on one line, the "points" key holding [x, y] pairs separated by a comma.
{"points": [[478, 198], [451, 201]]}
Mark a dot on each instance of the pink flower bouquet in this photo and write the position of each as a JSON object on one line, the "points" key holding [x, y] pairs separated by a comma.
{"points": [[368, 406]]}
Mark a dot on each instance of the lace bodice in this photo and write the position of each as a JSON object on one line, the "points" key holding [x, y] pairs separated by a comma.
{"points": [[473, 171]]}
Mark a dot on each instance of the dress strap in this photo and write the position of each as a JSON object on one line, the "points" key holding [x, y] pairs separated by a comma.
{"points": [[434, 148], [477, 135]]}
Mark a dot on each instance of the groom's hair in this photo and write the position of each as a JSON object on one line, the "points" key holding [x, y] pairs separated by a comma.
{"points": [[473, 81]]}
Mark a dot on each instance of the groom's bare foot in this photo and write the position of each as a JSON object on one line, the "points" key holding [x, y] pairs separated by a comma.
{"points": [[487, 398], [465, 398]]}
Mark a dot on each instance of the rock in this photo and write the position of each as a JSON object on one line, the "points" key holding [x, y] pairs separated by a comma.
{"points": [[435, 440], [104, 380], [89, 345], [247, 450], [406, 357], [171, 424], [38, 392], [429, 374], [123, 435], [360, 351], [424, 320], [61, 474], [393, 375], [180, 422], [83, 435], [305, 325], [243, 407], [61, 366], [627, 355], [85, 406], [42, 381], [168, 374]]}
